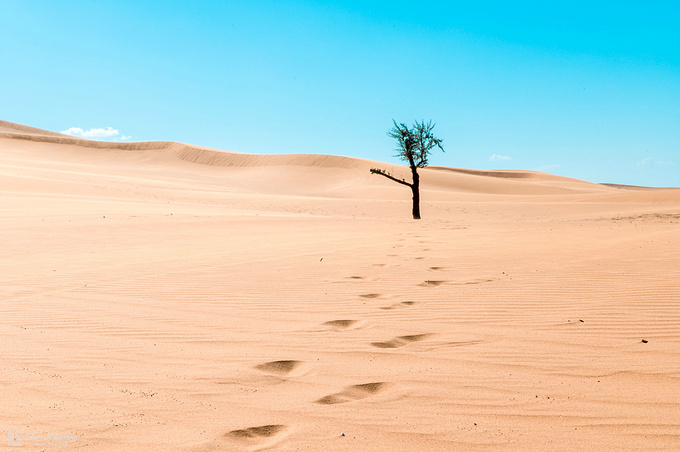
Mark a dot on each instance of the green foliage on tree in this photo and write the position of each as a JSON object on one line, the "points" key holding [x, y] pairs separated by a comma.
{"points": [[414, 146]]}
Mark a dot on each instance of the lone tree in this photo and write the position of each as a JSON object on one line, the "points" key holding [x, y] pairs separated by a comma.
{"points": [[414, 147]]}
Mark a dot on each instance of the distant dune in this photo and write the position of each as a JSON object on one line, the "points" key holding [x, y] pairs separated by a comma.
{"points": [[167, 295], [352, 170], [12, 127]]}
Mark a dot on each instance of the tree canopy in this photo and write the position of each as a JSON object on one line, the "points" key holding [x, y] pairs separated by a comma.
{"points": [[414, 146]]}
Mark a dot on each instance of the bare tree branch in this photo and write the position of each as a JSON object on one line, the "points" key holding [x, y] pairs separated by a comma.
{"points": [[414, 146], [389, 176]]}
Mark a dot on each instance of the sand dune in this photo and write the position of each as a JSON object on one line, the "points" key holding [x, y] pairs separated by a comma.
{"points": [[12, 127], [165, 295]]}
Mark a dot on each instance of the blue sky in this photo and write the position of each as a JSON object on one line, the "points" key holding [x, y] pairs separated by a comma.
{"points": [[585, 89]]}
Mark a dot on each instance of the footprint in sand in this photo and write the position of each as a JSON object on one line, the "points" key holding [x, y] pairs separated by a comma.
{"points": [[352, 393], [342, 324], [261, 432], [279, 367], [432, 283], [401, 341], [436, 283], [353, 278], [402, 304], [473, 281]]}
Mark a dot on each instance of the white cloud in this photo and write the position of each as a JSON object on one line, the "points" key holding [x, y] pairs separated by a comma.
{"points": [[499, 158], [651, 161], [644, 162], [109, 132], [101, 133], [73, 131]]}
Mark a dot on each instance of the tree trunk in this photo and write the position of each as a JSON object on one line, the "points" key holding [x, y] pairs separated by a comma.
{"points": [[415, 188]]}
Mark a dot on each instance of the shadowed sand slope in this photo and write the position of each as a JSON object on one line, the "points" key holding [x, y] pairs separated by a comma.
{"points": [[167, 296]]}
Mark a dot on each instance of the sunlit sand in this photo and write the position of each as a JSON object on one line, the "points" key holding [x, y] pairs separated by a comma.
{"points": [[168, 296]]}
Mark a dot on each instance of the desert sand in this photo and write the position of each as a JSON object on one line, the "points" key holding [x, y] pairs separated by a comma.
{"points": [[163, 296]]}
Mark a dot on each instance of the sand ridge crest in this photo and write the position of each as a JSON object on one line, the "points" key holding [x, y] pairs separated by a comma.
{"points": [[344, 175]]}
